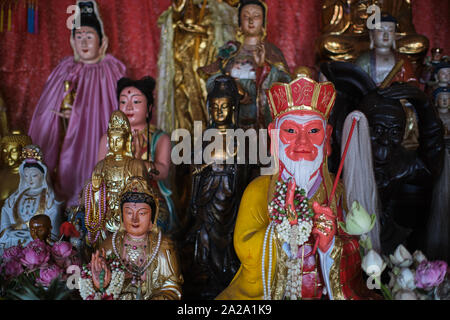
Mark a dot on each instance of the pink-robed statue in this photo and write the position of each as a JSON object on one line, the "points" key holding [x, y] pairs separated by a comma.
{"points": [[76, 103]]}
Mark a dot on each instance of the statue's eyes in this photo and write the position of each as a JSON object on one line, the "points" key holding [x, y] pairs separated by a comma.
{"points": [[123, 102], [290, 130], [137, 101], [314, 130]]}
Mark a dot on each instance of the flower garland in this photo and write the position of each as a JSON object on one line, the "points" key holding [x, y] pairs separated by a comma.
{"points": [[294, 232], [94, 219], [112, 292]]}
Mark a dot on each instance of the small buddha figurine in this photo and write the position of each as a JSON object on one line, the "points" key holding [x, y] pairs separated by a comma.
{"points": [[71, 151], [345, 32], [442, 74], [102, 194], [209, 260], [34, 196], [11, 148], [382, 57], [136, 262], [442, 101], [40, 228]]}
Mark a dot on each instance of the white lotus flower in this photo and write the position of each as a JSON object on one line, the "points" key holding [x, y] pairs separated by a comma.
{"points": [[405, 279], [418, 257], [401, 258], [358, 221], [405, 295], [373, 264]]}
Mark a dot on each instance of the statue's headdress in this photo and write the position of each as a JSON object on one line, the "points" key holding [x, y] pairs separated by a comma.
{"points": [[90, 17], [137, 190], [301, 94], [32, 157], [224, 86], [119, 123], [16, 137], [440, 90]]}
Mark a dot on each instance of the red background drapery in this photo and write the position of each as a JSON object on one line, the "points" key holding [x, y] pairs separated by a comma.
{"points": [[26, 60]]}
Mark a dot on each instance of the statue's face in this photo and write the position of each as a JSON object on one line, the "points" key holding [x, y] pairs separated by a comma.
{"points": [[39, 229], [117, 142], [252, 20], [301, 148], [137, 218], [87, 44], [133, 103], [443, 100], [444, 75], [221, 110], [34, 177], [384, 36], [387, 127], [11, 154]]}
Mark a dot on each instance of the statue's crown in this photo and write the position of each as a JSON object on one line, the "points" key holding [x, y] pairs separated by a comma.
{"points": [[119, 122], [32, 153], [301, 94]]}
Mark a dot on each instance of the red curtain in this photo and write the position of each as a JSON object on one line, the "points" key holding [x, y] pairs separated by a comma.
{"points": [[26, 60]]}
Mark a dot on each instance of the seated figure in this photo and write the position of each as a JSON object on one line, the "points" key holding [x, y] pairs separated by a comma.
{"points": [[70, 152], [149, 143], [345, 32], [102, 194], [283, 218], [11, 149], [34, 196], [137, 262]]}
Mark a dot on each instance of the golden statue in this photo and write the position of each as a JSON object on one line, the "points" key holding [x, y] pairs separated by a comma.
{"points": [[345, 33], [102, 195], [4, 130], [137, 262], [11, 149], [191, 32]]}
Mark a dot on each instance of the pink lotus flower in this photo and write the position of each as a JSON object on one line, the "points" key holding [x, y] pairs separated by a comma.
{"points": [[35, 254], [430, 274], [61, 252], [13, 268], [46, 275], [14, 252]]}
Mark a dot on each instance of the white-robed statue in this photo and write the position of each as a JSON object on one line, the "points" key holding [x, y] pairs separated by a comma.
{"points": [[34, 196]]}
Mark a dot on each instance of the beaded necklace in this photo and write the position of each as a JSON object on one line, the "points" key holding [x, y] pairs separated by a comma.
{"points": [[95, 217]]}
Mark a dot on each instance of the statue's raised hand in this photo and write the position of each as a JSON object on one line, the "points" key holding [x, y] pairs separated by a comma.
{"points": [[98, 263], [324, 227], [259, 55]]}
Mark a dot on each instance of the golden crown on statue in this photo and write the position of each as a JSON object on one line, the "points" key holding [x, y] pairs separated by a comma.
{"points": [[301, 94], [32, 152]]}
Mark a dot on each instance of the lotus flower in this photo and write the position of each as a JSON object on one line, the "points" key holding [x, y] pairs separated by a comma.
{"points": [[358, 221], [405, 279], [418, 257], [35, 254], [430, 274], [373, 264], [12, 268], [46, 275], [401, 258], [14, 252]]}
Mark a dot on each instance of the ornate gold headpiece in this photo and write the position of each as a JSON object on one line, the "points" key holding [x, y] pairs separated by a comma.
{"points": [[301, 94], [32, 153], [119, 122], [16, 137]]}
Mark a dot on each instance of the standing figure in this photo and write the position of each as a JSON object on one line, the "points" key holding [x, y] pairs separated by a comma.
{"points": [[255, 63], [102, 194], [94, 74], [34, 196], [442, 102], [136, 262], [209, 260], [191, 33], [285, 217], [11, 149], [149, 143]]}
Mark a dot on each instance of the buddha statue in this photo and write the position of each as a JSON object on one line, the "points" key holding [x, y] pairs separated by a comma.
{"points": [[209, 260], [40, 228], [93, 74], [254, 62], [191, 33], [4, 130], [136, 262], [150, 144], [11, 149], [34, 196], [102, 194], [345, 33], [442, 102]]}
